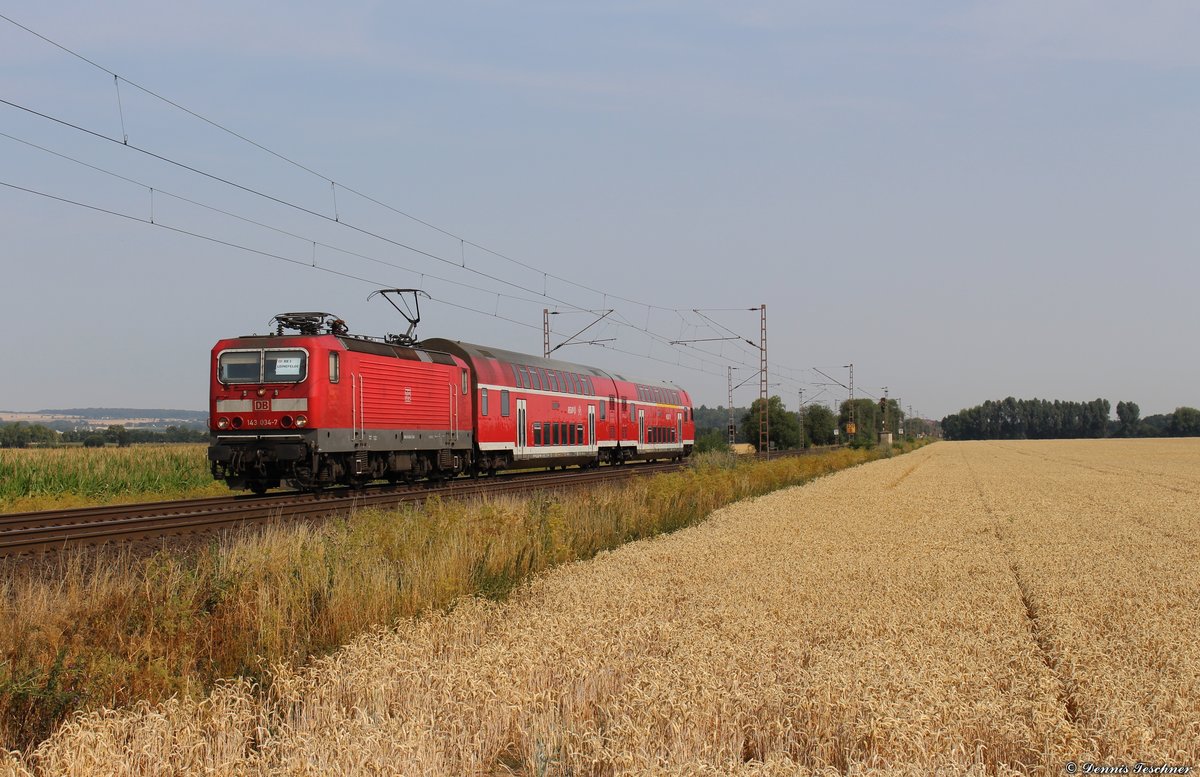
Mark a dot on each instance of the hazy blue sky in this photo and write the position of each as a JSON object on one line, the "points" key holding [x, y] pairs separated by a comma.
{"points": [[968, 200]]}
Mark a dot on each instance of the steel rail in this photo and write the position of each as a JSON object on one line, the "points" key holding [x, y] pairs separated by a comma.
{"points": [[25, 533], [50, 530]]}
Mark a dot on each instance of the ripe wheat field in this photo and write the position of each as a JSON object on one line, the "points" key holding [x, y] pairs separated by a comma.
{"points": [[983, 608]]}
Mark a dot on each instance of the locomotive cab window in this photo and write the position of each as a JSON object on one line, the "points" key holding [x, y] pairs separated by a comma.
{"points": [[285, 366], [239, 367], [270, 366]]}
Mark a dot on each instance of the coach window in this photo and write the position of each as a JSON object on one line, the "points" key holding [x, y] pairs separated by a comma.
{"points": [[504, 402], [482, 401], [554, 429], [553, 380], [578, 383], [579, 434], [537, 378], [334, 366], [602, 415], [537, 433], [516, 375]]}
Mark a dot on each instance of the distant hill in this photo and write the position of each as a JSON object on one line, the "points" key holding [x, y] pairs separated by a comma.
{"points": [[125, 412], [65, 419]]}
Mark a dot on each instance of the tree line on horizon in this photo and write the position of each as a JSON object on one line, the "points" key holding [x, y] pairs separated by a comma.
{"points": [[20, 434], [822, 426], [1043, 419]]}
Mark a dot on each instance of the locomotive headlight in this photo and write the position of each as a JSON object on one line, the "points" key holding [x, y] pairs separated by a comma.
{"points": [[222, 423], [301, 420]]}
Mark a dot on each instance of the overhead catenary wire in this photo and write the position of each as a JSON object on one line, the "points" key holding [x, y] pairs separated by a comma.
{"points": [[310, 170], [278, 230], [461, 263], [300, 263], [309, 211], [624, 321]]}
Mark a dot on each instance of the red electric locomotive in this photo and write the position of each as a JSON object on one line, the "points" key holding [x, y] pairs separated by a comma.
{"points": [[321, 407]]}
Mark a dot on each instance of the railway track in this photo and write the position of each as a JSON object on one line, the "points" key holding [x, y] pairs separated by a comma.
{"points": [[47, 531]]}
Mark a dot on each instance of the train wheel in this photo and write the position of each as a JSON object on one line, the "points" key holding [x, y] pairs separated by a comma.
{"points": [[257, 486]]}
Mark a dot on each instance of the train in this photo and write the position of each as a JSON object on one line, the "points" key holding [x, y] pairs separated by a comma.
{"points": [[311, 405]]}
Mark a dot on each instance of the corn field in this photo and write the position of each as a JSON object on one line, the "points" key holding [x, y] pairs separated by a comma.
{"points": [[47, 478], [970, 608]]}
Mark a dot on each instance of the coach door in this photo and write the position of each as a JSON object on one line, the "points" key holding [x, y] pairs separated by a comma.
{"points": [[641, 426], [679, 427], [591, 439], [521, 427]]}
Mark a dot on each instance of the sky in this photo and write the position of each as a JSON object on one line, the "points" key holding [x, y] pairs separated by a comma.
{"points": [[966, 200]]}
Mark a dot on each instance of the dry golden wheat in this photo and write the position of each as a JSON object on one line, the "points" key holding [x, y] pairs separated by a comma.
{"points": [[975, 608]]}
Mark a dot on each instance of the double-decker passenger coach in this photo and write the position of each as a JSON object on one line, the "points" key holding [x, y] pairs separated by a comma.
{"points": [[538, 412]]}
